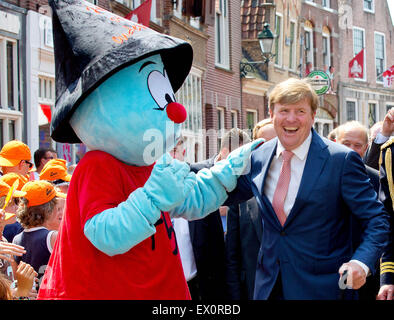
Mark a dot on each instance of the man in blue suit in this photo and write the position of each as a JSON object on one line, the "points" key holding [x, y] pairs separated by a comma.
{"points": [[307, 242]]}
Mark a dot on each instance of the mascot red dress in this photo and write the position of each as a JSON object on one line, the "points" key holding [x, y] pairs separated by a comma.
{"points": [[115, 84]]}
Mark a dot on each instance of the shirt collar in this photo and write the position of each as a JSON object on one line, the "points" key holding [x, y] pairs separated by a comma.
{"points": [[300, 152]]}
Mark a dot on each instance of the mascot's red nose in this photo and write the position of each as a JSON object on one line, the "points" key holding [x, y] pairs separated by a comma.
{"points": [[176, 112]]}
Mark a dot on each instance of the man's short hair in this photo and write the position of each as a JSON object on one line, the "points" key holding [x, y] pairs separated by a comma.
{"points": [[293, 91], [353, 125], [259, 125], [234, 138], [40, 154]]}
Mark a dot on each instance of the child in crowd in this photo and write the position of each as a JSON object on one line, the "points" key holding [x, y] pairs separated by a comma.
{"points": [[37, 215], [12, 227]]}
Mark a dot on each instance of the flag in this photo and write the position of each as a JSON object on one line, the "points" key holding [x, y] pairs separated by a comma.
{"points": [[356, 66], [46, 111], [388, 77], [141, 14]]}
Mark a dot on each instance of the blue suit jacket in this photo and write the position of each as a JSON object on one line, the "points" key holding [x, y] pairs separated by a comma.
{"points": [[316, 238], [244, 232]]}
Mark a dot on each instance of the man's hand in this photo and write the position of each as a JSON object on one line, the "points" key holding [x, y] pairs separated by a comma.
{"points": [[388, 123], [386, 292], [356, 275]]}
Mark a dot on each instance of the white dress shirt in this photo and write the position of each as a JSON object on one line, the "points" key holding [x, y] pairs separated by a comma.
{"points": [[297, 169], [185, 248]]}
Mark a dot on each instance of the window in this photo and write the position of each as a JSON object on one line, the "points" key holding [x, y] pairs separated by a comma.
{"points": [[220, 126], [48, 36], [95, 2], [309, 45], [292, 46], [234, 119], [326, 51], [372, 116], [359, 44], [369, 6], [9, 75], [189, 95], [251, 119], [46, 89], [222, 55], [350, 110], [379, 56], [278, 39], [326, 3]]}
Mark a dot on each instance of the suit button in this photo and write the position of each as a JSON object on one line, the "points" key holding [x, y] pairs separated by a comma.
{"points": [[283, 233]]}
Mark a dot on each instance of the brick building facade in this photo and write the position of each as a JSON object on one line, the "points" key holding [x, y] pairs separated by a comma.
{"points": [[368, 25]]}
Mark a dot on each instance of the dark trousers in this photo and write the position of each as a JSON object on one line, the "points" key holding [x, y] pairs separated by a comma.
{"points": [[277, 290], [194, 289]]}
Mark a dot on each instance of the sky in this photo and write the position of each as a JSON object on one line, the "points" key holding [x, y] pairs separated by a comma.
{"points": [[391, 7]]}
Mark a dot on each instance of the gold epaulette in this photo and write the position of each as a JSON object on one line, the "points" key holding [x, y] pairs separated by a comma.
{"points": [[387, 143], [384, 146]]}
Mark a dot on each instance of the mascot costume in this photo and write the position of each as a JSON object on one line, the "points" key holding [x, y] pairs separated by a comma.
{"points": [[115, 84]]}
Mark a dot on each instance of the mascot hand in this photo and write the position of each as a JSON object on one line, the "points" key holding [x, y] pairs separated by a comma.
{"points": [[169, 183], [237, 163]]}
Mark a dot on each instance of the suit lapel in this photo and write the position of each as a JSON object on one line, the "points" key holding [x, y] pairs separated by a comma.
{"points": [[316, 159], [259, 180]]}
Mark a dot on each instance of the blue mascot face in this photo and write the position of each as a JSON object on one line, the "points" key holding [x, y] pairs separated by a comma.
{"points": [[131, 115]]}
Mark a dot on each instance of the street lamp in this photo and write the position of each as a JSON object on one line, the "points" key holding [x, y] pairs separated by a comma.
{"points": [[266, 39]]}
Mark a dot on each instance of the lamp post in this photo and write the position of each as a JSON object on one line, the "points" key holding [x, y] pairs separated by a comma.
{"points": [[266, 39]]}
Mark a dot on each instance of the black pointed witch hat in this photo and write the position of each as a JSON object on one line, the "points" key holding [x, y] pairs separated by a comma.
{"points": [[91, 44]]}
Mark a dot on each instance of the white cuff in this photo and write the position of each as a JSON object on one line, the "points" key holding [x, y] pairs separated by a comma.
{"points": [[362, 265], [380, 138]]}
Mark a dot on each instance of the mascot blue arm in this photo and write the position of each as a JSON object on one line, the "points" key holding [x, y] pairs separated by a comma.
{"points": [[171, 187]]}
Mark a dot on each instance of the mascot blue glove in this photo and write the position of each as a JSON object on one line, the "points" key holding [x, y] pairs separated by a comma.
{"points": [[213, 184]]}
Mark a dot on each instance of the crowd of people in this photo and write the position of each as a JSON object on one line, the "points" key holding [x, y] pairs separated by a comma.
{"points": [[313, 209], [32, 199]]}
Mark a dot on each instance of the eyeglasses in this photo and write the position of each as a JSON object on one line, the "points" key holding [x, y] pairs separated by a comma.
{"points": [[29, 163]]}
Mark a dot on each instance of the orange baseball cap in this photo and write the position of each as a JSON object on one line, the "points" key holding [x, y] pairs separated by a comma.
{"points": [[39, 192], [14, 152], [10, 178], [5, 188], [54, 170]]}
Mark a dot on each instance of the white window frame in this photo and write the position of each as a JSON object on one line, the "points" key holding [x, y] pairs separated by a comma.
{"points": [[310, 57], [279, 36], [328, 37], [328, 4], [355, 107], [369, 10], [7, 116], [234, 118], [384, 53], [3, 75], [220, 131], [364, 79], [222, 38]]}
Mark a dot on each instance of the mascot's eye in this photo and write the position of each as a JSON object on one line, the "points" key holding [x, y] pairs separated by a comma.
{"points": [[160, 88]]}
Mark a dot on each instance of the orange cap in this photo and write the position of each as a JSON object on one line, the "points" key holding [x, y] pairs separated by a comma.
{"points": [[39, 192], [5, 188], [55, 169], [14, 152], [10, 178]]}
